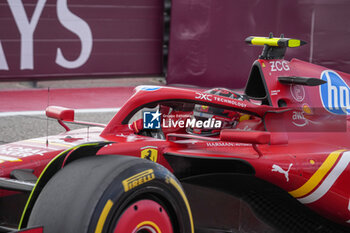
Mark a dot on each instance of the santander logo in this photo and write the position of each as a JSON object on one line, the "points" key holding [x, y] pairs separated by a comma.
{"points": [[335, 94]]}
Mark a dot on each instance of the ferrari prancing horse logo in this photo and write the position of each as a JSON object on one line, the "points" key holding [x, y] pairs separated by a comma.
{"points": [[150, 153]]}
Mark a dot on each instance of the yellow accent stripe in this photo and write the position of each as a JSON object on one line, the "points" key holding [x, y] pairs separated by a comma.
{"points": [[179, 189], [318, 176], [149, 223], [103, 216]]}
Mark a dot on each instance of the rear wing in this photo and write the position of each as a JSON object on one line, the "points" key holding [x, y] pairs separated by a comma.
{"points": [[280, 83], [274, 48]]}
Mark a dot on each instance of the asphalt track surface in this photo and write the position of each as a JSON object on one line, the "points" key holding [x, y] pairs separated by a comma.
{"points": [[22, 108], [22, 113], [16, 128]]}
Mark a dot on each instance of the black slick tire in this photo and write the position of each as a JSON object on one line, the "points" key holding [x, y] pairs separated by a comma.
{"points": [[91, 194]]}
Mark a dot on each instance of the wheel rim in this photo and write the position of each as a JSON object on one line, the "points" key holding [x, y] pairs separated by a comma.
{"points": [[144, 216]]}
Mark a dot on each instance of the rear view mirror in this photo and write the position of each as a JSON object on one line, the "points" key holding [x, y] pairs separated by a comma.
{"points": [[254, 137], [67, 114], [60, 113]]}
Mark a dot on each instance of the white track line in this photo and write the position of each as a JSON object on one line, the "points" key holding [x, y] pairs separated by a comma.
{"points": [[30, 113]]}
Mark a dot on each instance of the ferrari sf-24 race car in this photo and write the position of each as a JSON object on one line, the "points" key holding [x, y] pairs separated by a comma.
{"points": [[272, 159]]}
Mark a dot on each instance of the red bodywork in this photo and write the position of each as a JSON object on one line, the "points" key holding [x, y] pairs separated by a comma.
{"points": [[304, 148]]}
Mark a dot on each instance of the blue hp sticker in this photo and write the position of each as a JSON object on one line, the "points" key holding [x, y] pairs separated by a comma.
{"points": [[335, 94], [151, 120]]}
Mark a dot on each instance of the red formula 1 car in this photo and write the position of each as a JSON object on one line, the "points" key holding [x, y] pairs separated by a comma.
{"points": [[274, 159]]}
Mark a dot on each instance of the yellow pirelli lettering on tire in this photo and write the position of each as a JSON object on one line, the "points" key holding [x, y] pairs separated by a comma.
{"points": [[138, 179]]}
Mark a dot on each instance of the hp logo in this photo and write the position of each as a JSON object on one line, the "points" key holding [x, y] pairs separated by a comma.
{"points": [[335, 94]]}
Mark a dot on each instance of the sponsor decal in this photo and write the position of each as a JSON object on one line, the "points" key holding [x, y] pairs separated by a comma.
{"points": [[19, 151], [299, 119], [149, 88], [215, 144], [138, 179], [298, 92], [276, 168], [230, 101], [151, 120], [279, 66], [335, 94], [150, 153], [225, 144], [203, 96], [208, 97], [275, 92], [307, 109]]}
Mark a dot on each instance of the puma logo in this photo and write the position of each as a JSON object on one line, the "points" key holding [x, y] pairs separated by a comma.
{"points": [[276, 168]]}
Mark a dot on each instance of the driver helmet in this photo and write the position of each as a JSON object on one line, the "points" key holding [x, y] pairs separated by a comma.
{"points": [[228, 118]]}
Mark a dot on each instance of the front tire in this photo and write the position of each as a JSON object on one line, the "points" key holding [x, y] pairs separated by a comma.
{"points": [[112, 194]]}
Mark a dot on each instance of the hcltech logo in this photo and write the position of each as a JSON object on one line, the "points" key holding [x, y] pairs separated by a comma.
{"points": [[335, 94], [151, 120]]}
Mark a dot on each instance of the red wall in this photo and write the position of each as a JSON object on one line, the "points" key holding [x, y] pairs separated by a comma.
{"points": [[207, 36], [45, 39]]}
